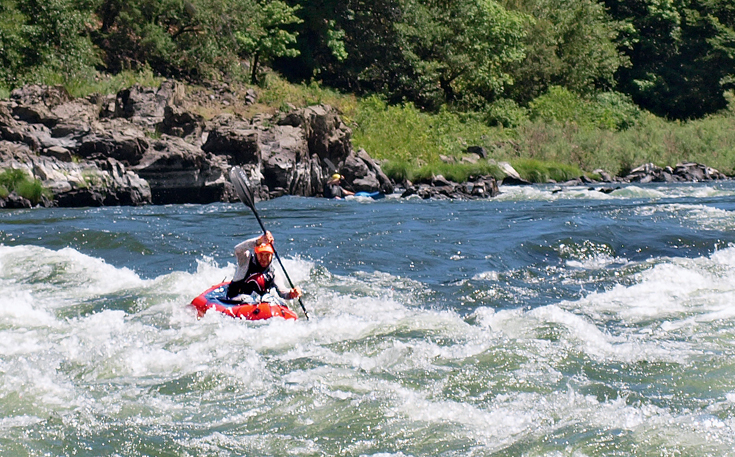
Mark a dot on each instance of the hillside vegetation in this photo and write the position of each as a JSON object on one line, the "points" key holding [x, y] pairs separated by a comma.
{"points": [[556, 87]]}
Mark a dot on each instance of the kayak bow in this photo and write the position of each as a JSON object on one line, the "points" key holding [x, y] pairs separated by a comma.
{"points": [[216, 298]]}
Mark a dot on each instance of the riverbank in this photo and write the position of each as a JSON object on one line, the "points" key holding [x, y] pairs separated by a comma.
{"points": [[176, 144]]}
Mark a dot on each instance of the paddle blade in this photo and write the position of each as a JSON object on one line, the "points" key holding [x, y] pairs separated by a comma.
{"points": [[240, 180], [332, 168]]}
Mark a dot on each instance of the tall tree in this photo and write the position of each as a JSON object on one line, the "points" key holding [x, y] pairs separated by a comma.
{"points": [[264, 36], [44, 36], [571, 44], [458, 48], [430, 52], [195, 38], [683, 54]]}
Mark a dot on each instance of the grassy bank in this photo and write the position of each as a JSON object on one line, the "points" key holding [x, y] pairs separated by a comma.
{"points": [[21, 183], [541, 149], [558, 137]]}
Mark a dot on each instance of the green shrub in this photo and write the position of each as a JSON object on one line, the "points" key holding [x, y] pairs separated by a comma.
{"points": [[12, 177], [403, 133], [397, 170], [32, 190], [457, 172], [542, 172], [19, 181], [278, 93], [506, 112], [614, 111], [558, 104], [606, 110]]}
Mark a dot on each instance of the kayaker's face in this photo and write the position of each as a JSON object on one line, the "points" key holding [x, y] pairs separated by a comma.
{"points": [[264, 258]]}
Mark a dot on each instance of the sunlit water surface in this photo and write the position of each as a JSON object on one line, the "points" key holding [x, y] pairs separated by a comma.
{"points": [[572, 323]]}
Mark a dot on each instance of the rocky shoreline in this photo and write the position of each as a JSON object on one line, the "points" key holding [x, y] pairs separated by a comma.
{"points": [[148, 146]]}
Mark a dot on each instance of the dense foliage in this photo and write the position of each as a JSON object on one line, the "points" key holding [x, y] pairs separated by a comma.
{"points": [[564, 81], [682, 54], [675, 58]]}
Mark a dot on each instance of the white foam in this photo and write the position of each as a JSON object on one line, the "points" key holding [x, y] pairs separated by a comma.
{"points": [[487, 276], [374, 342], [698, 216], [552, 192], [45, 271]]}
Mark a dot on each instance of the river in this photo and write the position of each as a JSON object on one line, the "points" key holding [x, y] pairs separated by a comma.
{"points": [[538, 323]]}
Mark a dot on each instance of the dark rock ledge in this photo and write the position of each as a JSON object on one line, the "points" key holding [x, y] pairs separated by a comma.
{"points": [[149, 146]]}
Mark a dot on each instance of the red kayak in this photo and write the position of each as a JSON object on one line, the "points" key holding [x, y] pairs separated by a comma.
{"points": [[216, 297]]}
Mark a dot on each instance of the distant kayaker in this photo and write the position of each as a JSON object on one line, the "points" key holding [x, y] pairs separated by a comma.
{"points": [[334, 189], [255, 273]]}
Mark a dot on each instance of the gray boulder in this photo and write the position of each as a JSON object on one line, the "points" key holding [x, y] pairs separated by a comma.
{"points": [[146, 106], [115, 138], [365, 174], [683, 172], [237, 140], [179, 172], [439, 187]]}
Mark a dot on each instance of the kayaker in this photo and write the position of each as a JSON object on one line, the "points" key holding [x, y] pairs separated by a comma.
{"points": [[255, 272], [333, 188]]}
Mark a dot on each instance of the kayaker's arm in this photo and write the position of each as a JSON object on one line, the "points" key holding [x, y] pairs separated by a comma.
{"points": [[283, 291], [243, 252]]}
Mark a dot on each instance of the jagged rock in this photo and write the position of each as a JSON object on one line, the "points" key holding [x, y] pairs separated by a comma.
{"points": [[181, 123], [483, 187], [604, 176], [60, 153], [511, 181], [14, 153], [441, 188], [15, 201], [354, 168], [130, 149], [52, 107], [686, 172], [34, 103], [127, 188], [36, 136], [145, 106], [327, 136], [287, 163], [239, 141], [697, 172], [86, 183], [365, 174], [116, 138], [179, 172], [512, 178], [251, 97]]}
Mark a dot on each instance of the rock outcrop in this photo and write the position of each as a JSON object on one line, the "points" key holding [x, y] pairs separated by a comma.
{"points": [[147, 145], [441, 188], [151, 146], [682, 172]]}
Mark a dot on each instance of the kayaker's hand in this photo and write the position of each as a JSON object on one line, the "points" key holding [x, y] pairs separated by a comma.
{"points": [[294, 293], [266, 238]]}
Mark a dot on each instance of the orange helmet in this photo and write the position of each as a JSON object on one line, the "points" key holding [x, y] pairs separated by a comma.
{"points": [[261, 248]]}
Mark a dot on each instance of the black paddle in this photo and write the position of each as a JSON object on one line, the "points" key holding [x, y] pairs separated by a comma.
{"points": [[240, 181], [330, 165]]}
